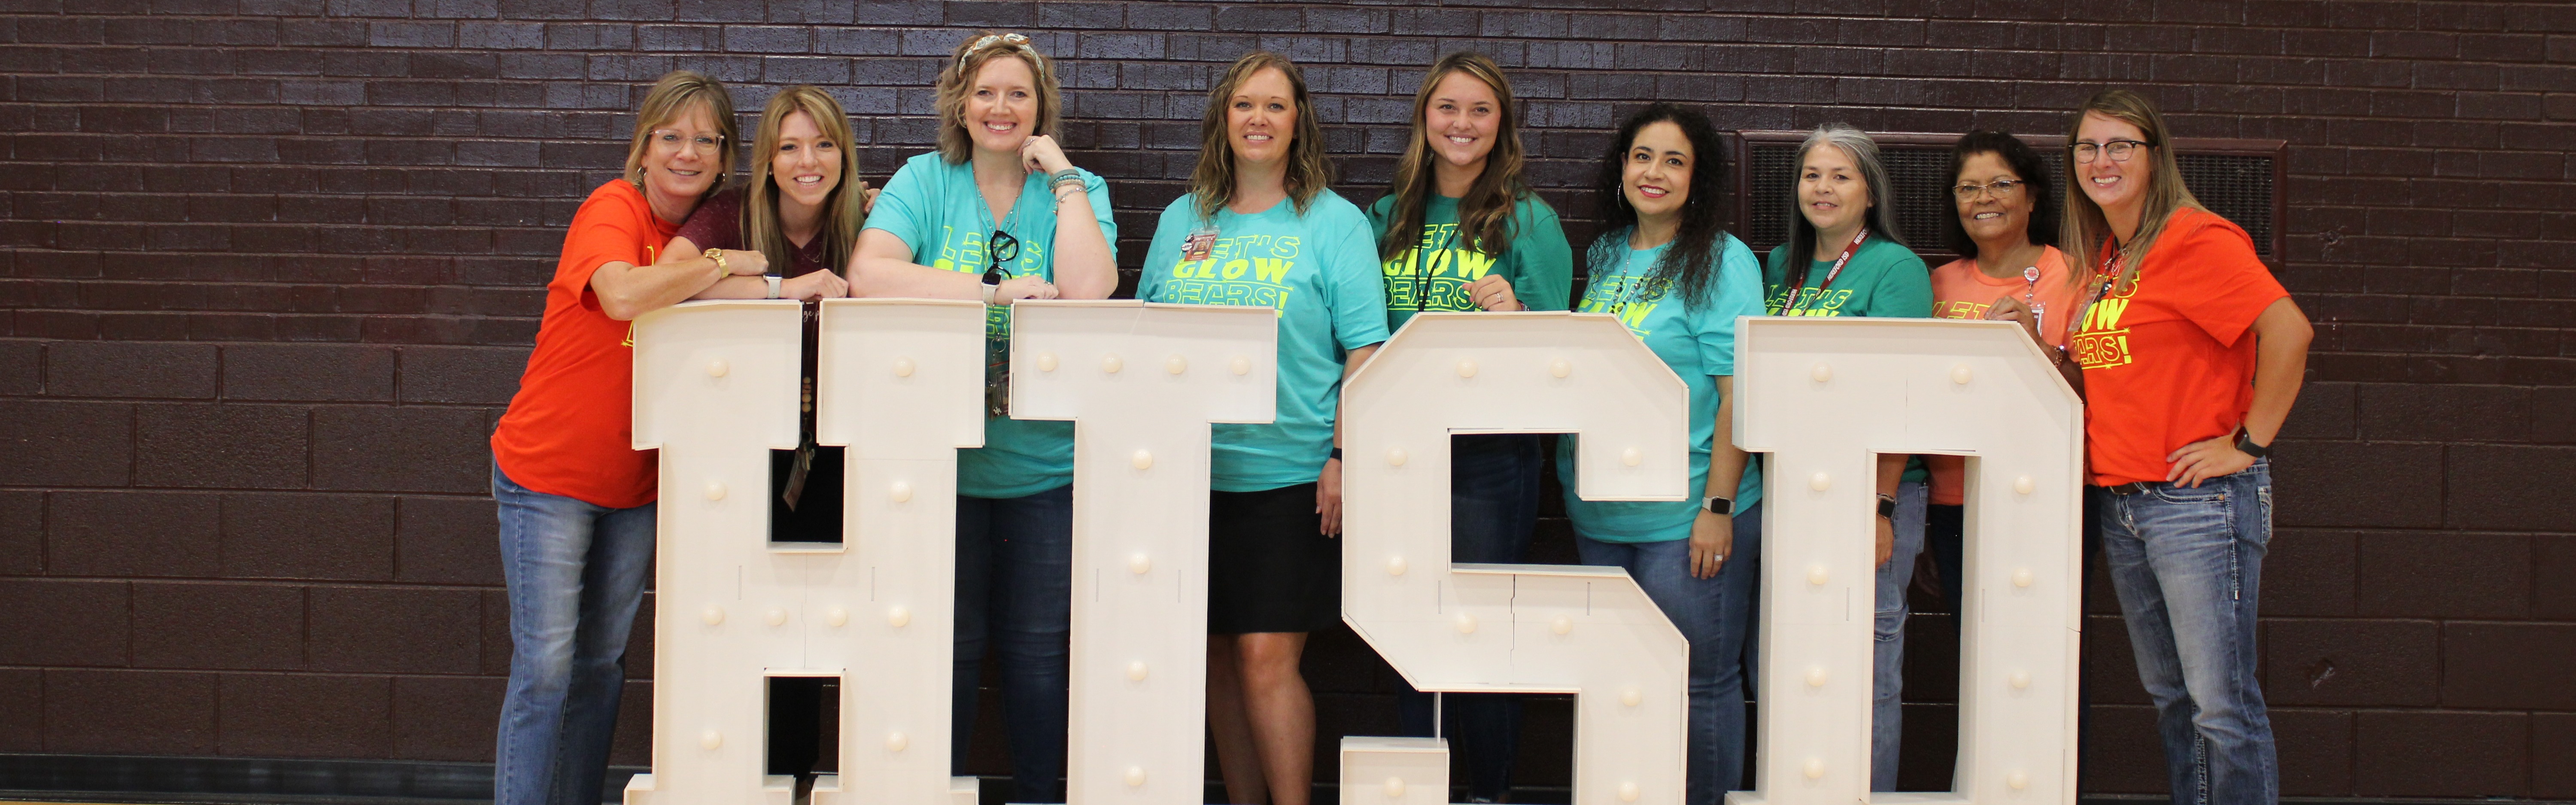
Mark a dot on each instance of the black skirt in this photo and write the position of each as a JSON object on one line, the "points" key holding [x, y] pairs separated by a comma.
{"points": [[1269, 567]]}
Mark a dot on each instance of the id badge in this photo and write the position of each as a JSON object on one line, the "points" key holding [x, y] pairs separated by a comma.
{"points": [[1199, 245]]}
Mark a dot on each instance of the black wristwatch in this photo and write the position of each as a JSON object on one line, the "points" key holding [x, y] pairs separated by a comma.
{"points": [[1717, 505], [1336, 455], [1887, 507], [2245, 444]]}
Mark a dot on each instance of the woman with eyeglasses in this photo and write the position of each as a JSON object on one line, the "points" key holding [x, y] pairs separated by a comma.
{"points": [[1260, 227], [1462, 231], [1845, 258], [2192, 354], [575, 498], [1666, 267], [2003, 228], [998, 214]]}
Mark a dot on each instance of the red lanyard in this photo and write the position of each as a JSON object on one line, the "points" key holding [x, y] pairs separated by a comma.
{"points": [[1790, 305]]}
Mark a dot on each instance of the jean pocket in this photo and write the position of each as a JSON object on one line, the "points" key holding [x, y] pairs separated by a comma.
{"points": [[2210, 491]]}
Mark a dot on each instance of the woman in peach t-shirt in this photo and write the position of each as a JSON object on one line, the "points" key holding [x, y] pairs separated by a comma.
{"points": [[2007, 269]]}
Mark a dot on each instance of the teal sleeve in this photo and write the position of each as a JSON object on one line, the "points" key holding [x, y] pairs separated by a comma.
{"points": [[1377, 213], [905, 210], [1098, 189], [1164, 250], [1358, 288], [1905, 290], [1739, 293], [1543, 261]]}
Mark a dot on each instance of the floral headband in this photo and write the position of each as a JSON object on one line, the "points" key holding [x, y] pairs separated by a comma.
{"points": [[1018, 41]]}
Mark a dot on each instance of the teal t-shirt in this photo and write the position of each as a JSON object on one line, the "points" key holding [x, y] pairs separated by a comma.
{"points": [[1698, 342], [934, 208], [1434, 274], [1319, 270], [1883, 279]]}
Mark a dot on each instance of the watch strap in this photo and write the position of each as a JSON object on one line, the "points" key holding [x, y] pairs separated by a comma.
{"points": [[2245, 444], [1717, 505], [1887, 506], [773, 281]]}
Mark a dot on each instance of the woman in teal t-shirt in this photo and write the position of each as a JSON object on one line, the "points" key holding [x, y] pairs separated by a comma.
{"points": [[1461, 231], [998, 214], [1666, 267], [1844, 258], [1259, 228]]}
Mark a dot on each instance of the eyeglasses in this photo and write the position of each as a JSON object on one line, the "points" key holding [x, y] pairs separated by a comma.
{"points": [[2002, 188], [2120, 150], [672, 139], [1003, 248]]}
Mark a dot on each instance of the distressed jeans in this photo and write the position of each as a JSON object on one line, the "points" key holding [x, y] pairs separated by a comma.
{"points": [[1715, 615], [2188, 567], [1887, 678], [576, 576]]}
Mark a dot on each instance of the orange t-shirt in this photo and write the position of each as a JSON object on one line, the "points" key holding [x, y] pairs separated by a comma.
{"points": [[1960, 291], [2166, 361], [570, 430]]}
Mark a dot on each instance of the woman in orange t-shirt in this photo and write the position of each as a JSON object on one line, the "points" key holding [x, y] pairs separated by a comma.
{"points": [[575, 497], [2192, 354]]}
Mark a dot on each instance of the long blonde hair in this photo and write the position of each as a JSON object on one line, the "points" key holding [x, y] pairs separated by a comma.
{"points": [[1309, 171], [843, 213], [1485, 213], [955, 145], [2084, 225], [670, 99]]}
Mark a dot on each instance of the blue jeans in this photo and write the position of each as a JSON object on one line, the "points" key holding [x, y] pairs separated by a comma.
{"points": [[576, 574], [1493, 508], [1887, 680], [1015, 590], [1715, 616], [2188, 567]]}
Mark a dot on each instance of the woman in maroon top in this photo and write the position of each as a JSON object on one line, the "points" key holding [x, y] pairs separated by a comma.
{"points": [[798, 216]]}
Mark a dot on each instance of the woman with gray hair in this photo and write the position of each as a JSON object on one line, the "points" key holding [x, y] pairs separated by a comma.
{"points": [[1845, 258]]}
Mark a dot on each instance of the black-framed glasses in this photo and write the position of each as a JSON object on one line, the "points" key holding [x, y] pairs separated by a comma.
{"points": [[1003, 248], [2002, 188], [2120, 150]]}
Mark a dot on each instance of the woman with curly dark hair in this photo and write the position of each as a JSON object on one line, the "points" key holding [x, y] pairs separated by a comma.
{"points": [[1666, 267]]}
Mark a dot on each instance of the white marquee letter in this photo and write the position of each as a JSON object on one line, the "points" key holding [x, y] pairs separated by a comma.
{"points": [[1589, 631], [1142, 383], [1822, 396]]}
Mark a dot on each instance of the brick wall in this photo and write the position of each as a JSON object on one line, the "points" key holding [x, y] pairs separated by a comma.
{"points": [[272, 267]]}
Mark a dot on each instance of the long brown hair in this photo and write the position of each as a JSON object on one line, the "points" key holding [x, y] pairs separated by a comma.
{"points": [[1485, 213], [842, 210], [666, 103], [2085, 226], [955, 145], [1309, 171]]}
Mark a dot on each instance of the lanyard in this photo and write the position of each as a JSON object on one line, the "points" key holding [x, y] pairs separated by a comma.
{"points": [[1798, 286], [2110, 257], [1422, 268]]}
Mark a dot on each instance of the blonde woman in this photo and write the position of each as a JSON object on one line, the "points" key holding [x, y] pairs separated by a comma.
{"points": [[2191, 360], [1461, 231], [1259, 195], [576, 499], [999, 214]]}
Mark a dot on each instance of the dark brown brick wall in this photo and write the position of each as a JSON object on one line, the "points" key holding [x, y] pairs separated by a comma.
{"points": [[272, 267]]}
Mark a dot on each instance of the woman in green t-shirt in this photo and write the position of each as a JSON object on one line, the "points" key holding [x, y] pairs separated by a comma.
{"points": [[1461, 231], [999, 214], [1845, 258]]}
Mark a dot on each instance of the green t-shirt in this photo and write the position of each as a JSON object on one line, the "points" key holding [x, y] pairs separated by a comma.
{"points": [[1435, 274], [1883, 279], [1319, 270], [934, 208], [1698, 342]]}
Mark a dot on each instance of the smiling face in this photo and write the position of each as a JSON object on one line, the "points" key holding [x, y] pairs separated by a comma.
{"points": [[1261, 118], [1460, 122], [807, 164], [2113, 184], [681, 161], [1831, 192], [1002, 105], [1656, 177], [1990, 216]]}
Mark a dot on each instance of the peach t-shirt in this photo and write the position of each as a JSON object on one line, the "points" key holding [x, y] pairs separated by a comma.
{"points": [[1960, 291]]}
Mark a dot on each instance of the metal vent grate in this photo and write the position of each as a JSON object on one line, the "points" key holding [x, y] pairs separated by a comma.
{"points": [[2234, 179]]}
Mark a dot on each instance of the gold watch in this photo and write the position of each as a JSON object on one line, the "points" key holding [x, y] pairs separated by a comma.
{"points": [[718, 256]]}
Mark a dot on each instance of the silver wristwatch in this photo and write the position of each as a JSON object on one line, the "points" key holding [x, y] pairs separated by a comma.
{"points": [[1717, 505]]}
